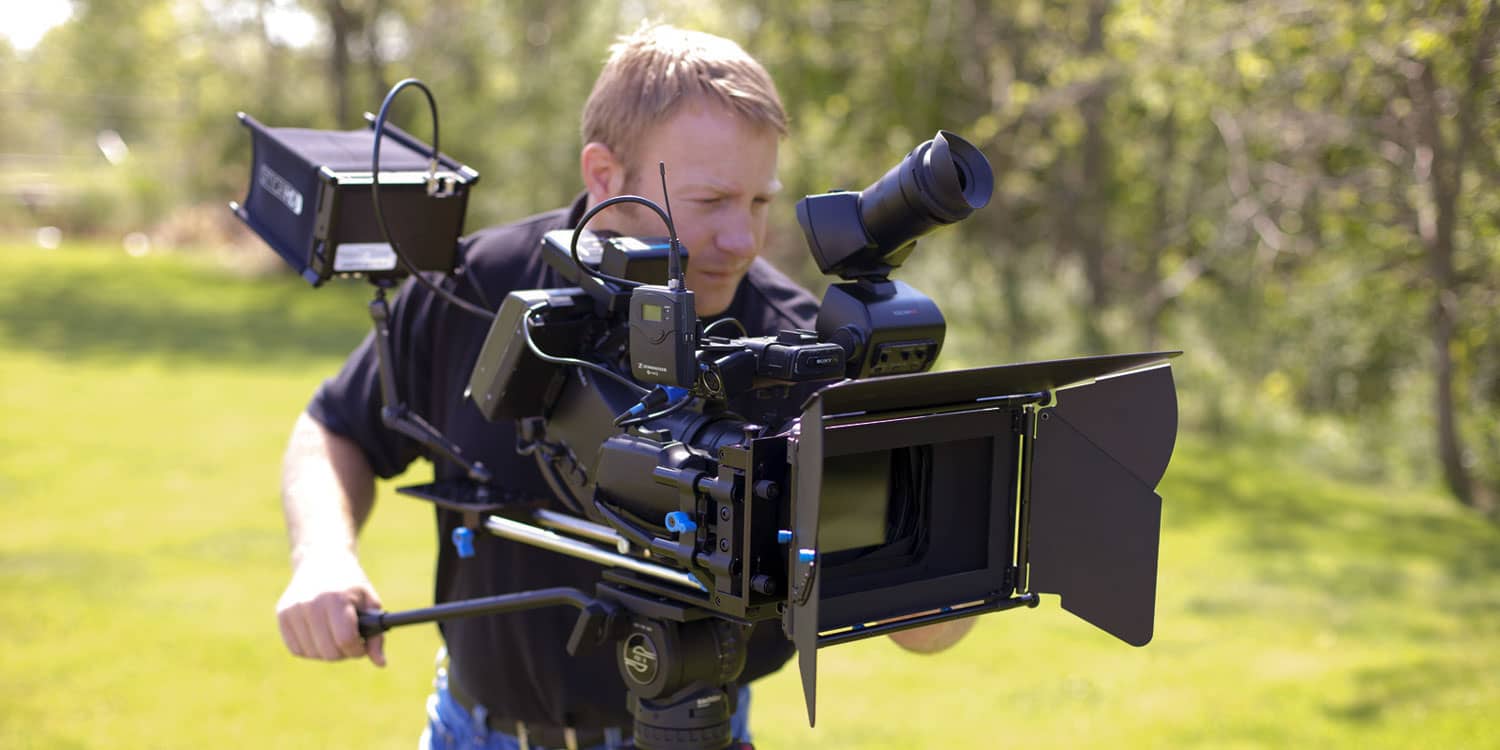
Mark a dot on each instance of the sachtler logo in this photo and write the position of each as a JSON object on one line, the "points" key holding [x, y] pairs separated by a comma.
{"points": [[277, 185], [640, 659]]}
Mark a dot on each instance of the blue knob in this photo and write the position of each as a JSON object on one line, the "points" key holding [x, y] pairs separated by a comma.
{"points": [[463, 541], [680, 522], [806, 555], [783, 536]]}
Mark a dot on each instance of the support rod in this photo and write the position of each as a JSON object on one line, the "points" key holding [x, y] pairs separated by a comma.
{"points": [[375, 623], [549, 540], [860, 632], [578, 527]]}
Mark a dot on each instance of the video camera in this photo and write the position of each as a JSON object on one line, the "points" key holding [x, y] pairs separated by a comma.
{"points": [[826, 478]]}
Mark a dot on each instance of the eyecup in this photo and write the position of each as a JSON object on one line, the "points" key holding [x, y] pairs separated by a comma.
{"points": [[965, 178]]}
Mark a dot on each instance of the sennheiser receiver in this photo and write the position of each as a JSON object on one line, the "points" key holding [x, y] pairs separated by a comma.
{"points": [[663, 336]]}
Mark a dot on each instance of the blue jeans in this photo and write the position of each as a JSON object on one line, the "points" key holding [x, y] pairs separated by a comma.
{"points": [[451, 727]]}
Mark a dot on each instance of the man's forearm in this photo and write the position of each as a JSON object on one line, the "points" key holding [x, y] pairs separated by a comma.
{"points": [[327, 491]]}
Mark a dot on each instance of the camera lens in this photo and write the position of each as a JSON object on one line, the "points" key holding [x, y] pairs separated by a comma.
{"points": [[939, 182]]}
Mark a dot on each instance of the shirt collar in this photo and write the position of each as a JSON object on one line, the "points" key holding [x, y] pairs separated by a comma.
{"points": [[576, 211]]}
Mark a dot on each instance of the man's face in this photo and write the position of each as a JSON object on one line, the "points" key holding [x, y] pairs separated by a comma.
{"points": [[721, 176]]}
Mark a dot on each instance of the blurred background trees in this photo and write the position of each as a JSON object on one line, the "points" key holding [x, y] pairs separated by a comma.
{"points": [[1302, 195]]}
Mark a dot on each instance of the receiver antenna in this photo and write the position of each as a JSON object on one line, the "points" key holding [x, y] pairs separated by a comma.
{"points": [[674, 257]]}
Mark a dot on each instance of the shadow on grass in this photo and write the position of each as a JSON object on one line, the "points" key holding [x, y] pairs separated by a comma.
{"points": [[1394, 689], [108, 309], [1293, 522]]}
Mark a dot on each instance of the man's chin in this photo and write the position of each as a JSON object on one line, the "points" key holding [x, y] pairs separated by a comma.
{"points": [[713, 291], [708, 307], [712, 301]]}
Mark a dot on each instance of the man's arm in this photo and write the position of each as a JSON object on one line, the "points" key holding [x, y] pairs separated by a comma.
{"points": [[327, 492]]}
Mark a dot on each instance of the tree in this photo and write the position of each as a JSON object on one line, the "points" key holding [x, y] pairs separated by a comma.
{"points": [[1441, 158]]}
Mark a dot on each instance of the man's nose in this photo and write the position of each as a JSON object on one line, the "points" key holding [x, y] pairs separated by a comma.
{"points": [[736, 235]]}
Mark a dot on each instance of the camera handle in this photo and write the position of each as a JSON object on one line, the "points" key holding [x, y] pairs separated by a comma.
{"points": [[679, 663], [394, 412]]}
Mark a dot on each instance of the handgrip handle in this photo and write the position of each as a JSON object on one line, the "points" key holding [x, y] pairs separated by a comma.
{"points": [[372, 623]]}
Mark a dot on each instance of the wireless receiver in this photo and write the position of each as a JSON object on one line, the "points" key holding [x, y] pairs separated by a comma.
{"points": [[663, 322]]}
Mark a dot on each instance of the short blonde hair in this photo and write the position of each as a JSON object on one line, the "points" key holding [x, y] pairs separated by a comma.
{"points": [[653, 72]]}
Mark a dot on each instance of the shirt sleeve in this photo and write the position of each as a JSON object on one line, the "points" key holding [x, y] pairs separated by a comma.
{"points": [[350, 403]]}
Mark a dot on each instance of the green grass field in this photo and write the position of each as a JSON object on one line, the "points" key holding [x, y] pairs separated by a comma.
{"points": [[143, 407]]}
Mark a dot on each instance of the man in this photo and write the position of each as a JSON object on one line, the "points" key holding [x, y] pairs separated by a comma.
{"points": [[711, 113]]}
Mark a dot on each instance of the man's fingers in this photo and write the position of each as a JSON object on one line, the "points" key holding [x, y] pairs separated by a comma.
{"points": [[321, 625], [375, 648], [344, 627], [300, 629], [292, 632]]}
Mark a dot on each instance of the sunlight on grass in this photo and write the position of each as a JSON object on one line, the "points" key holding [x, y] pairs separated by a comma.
{"points": [[145, 403]]}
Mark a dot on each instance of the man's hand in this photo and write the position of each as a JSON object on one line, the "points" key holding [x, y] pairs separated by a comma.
{"points": [[317, 612], [931, 639]]}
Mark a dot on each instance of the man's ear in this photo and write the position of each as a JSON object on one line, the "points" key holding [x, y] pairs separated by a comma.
{"points": [[603, 174]]}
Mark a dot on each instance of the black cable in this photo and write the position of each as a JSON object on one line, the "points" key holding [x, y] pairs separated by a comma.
{"points": [[672, 408], [583, 222], [721, 321], [601, 369], [385, 231]]}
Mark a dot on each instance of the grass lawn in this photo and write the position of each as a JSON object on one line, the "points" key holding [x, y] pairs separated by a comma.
{"points": [[143, 407]]}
